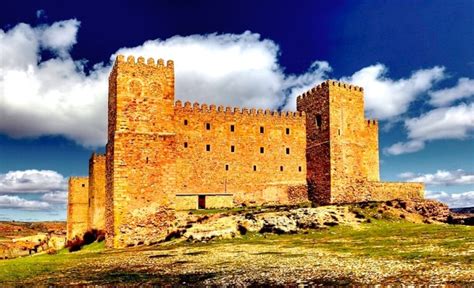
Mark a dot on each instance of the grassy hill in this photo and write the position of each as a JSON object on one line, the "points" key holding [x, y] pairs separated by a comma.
{"points": [[384, 251]]}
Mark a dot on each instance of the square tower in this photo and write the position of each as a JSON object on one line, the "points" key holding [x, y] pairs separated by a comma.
{"points": [[140, 165], [78, 206], [342, 147]]}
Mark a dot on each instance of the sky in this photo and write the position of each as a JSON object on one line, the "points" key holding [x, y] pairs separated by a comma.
{"points": [[415, 60]]}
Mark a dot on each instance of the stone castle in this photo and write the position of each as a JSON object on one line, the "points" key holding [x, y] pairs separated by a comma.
{"points": [[163, 156]]}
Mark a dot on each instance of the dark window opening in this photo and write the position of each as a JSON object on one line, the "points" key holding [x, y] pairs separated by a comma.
{"points": [[185, 122], [338, 131], [208, 147], [262, 150], [287, 150], [185, 144], [83, 185], [319, 121], [254, 167], [208, 126], [146, 159], [202, 202], [287, 131], [281, 168], [232, 148], [299, 168], [232, 128], [226, 167], [262, 129]]}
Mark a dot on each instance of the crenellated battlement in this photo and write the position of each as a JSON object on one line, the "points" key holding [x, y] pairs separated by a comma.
{"points": [[204, 108], [372, 122], [160, 63], [320, 87]]}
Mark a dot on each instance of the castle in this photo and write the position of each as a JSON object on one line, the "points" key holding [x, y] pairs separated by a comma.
{"points": [[163, 156]]}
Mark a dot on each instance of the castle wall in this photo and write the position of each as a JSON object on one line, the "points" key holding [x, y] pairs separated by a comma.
{"points": [[78, 206], [235, 162], [96, 214], [377, 191]]}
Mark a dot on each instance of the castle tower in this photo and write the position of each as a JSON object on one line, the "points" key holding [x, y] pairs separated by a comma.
{"points": [[77, 208], [140, 162], [96, 217], [342, 147]]}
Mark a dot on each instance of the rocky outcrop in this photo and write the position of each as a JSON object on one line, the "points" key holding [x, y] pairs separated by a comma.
{"points": [[431, 210]]}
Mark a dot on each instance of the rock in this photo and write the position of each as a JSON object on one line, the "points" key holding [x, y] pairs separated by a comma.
{"points": [[279, 225]]}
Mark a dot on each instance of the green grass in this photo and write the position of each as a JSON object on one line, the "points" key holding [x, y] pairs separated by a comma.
{"points": [[381, 239], [20, 269]]}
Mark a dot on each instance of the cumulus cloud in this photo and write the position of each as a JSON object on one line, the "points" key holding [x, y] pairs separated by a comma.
{"points": [[15, 202], [386, 98], [59, 96], [32, 181], [50, 97], [463, 89], [454, 200], [55, 197], [441, 123], [441, 177]]}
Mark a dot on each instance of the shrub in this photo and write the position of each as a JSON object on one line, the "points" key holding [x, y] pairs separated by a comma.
{"points": [[75, 244]]}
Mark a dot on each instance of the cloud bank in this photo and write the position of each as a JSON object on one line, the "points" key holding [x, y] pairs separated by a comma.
{"points": [[59, 96], [15, 202], [441, 177], [32, 181], [454, 200]]}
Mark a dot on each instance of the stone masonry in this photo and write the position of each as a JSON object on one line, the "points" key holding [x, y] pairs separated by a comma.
{"points": [[164, 156]]}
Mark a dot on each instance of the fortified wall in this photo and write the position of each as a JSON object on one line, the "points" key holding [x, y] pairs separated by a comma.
{"points": [[164, 156]]}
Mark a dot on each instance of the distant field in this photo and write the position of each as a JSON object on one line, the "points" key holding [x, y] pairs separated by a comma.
{"points": [[380, 252]]}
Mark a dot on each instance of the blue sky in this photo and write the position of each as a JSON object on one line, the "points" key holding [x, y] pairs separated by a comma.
{"points": [[414, 59]]}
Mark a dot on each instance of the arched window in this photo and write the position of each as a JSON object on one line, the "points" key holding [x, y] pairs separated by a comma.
{"points": [[319, 121]]}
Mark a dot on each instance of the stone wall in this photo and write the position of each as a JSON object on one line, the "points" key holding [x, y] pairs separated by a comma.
{"points": [[377, 191], [96, 214], [77, 208], [253, 154]]}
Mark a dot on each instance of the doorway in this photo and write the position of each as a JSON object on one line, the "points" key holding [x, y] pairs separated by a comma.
{"points": [[201, 201]]}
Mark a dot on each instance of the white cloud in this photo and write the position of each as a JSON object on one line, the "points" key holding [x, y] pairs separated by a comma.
{"points": [[441, 177], [51, 97], [32, 181], [405, 147], [58, 96], [441, 123], [386, 98], [454, 200], [55, 197], [463, 89], [15, 202]]}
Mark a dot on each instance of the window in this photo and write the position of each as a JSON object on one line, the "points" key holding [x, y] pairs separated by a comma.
{"points": [[338, 131], [262, 129], [185, 144], [146, 159], [232, 128], [281, 168], [83, 185], [226, 167], [299, 168], [319, 121], [185, 122], [287, 150], [232, 148], [208, 126], [287, 131], [208, 147], [254, 167], [262, 150]]}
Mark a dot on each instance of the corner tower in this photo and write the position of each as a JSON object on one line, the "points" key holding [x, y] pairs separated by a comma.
{"points": [[342, 146], [140, 165]]}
